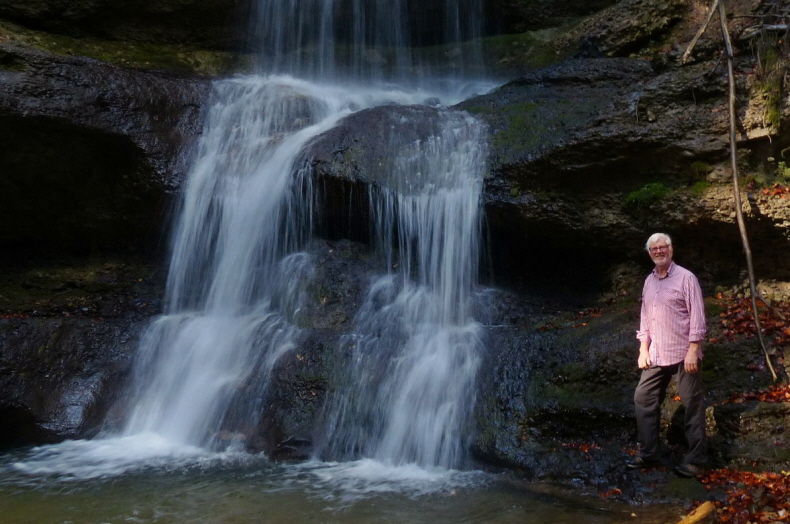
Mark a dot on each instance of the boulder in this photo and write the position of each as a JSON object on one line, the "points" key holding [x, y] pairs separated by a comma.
{"points": [[90, 150], [68, 336]]}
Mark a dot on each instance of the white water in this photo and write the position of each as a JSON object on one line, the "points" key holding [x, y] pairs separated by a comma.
{"points": [[363, 40], [237, 277], [416, 349]]}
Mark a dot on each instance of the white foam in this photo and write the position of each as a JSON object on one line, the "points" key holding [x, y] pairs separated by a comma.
{"points": [[349, 481], [111, 457]]}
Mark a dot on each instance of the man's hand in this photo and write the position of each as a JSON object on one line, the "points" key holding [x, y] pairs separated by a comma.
{"points": [[691, 362], [644, 357]]}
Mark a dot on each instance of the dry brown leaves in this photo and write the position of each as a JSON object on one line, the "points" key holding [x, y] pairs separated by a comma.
{"points": [[750, 497], [777, 190], [737, 320]]}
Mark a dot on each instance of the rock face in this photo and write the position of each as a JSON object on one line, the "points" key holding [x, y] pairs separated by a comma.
{"points": [[207, 23], [68, 335], [575, 145], [90, 150], [518, 16]]}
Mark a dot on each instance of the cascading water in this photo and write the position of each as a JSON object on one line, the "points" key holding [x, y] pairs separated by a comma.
{"points": [[366, 40], [416, 349], [237, 275], [234, 278]]}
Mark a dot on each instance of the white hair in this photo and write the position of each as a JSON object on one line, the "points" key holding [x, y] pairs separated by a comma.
{"points": [[655, 237]]}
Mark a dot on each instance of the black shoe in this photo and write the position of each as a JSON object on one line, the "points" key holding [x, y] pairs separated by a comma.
{"points": [[643, 463], [688, 470]]}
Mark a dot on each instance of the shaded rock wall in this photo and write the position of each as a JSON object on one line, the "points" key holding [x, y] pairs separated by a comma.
{"points": [[206, 23], [68, 334], [90, 151]]}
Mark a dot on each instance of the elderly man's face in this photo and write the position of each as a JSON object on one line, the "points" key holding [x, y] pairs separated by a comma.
{"points": [[661, 253]]}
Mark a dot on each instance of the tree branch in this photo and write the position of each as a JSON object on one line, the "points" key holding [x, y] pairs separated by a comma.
{"points": [[702, 29], [736, 189], [752, 31]]}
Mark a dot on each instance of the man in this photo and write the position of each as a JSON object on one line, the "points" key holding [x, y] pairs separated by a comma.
{"points": [[672, 328]]}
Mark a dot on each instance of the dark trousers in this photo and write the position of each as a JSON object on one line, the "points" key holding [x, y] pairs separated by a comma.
{"points": [[648, 397]]}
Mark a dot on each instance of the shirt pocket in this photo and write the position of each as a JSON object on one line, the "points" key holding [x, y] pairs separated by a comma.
{"points": [[671, 299]]}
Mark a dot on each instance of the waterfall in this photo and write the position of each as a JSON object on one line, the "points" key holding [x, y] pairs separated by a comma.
{"points": [[234, 281], [237, 272], [366, 39], [416, 349]]}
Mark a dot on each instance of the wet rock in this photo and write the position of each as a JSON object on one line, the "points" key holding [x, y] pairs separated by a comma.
{"points": [[556, 402], [753, 435], [208, 23], [58, 377], [68, 335], [92, 150], [517, 16], [367, 146]]}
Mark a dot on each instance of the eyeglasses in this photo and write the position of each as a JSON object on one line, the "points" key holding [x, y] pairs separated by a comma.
{"points": [[656, 249]]}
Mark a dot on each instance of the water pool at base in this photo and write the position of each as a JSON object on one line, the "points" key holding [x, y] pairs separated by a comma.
{"points": [[248, 490]]}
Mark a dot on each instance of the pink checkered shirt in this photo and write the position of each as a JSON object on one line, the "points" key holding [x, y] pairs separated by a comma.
{"points": [[673, 314]]}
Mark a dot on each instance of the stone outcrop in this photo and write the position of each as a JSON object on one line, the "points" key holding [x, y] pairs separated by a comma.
{"points": [[518, 16], [68, 336], [91, 150], [205, 23]]}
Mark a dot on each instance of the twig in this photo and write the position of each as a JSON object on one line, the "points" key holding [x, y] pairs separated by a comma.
{"points": [[753, 31], [736, 189], [702, 29]]}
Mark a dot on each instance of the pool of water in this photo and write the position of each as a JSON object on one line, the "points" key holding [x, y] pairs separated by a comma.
{"points": [[242, 489]]}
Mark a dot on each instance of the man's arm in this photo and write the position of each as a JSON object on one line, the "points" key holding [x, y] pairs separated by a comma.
{"points": [[644, 355], [643, 334], [698, 327], [691, 362]]}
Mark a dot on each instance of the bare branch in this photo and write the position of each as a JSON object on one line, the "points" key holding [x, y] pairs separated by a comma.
{"points": [[702, 29], [736, 188], [755, 30]]}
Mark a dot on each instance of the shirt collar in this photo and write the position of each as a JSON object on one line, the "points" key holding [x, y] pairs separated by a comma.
{"points": [[669, 271]]}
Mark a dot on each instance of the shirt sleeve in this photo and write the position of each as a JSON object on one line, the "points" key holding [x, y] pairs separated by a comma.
{"points": [[643, 333], [698, 328]]}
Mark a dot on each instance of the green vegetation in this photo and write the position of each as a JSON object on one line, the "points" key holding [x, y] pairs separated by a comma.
{"points": [[770, 75], [699, 188], [647, 195], [699, 170], [533, 49], [141, 55], [523, 129]]}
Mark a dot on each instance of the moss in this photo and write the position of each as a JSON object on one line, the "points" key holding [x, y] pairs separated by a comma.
{"points": [[647, 195], [572, 386], [177, 58], [768, 87], [522, 129], [532, 49], [699, 170], [73, 287], [700, 188]]}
